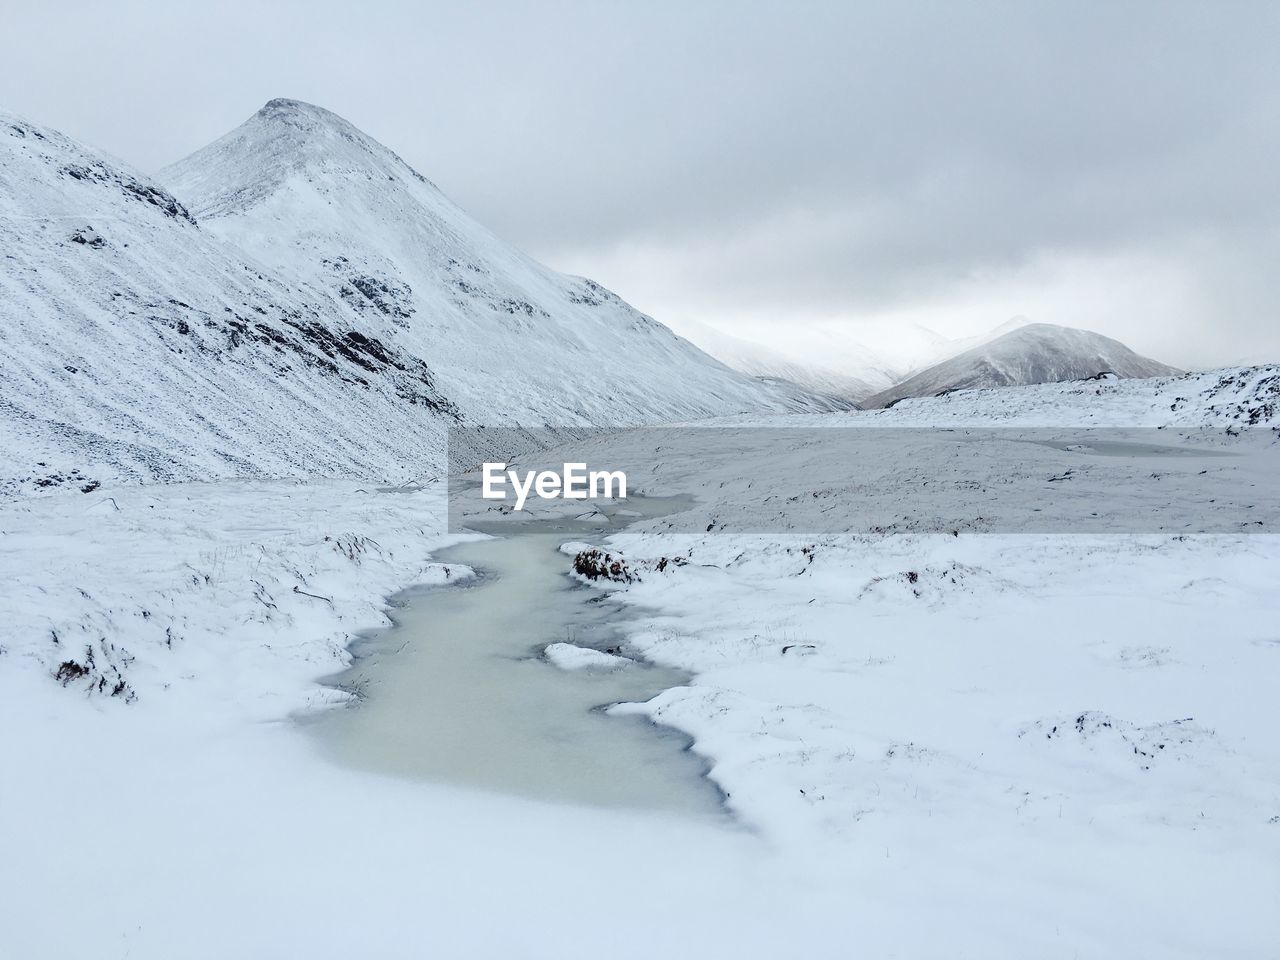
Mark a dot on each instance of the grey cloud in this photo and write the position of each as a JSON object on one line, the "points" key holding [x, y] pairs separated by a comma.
{"points": [[832, 158]]}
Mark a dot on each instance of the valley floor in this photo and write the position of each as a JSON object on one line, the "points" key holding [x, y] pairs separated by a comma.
{"points": [[933, 746]]}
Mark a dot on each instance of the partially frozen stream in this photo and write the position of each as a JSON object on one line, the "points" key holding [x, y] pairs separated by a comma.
{"points": [[458, 690]]}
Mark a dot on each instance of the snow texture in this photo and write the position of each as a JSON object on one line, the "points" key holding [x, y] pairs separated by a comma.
{"points": [[569, 656]]}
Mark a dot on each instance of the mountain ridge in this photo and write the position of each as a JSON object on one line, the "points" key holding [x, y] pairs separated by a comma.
{"points": [[1031, 353]]}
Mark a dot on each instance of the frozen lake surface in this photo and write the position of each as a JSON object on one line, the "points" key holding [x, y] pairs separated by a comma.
{"points": [[458, 690]]}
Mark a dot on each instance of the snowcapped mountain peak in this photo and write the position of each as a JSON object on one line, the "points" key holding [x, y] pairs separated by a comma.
{"points": [[283, 141], [1051, 336], [290, 110], [1029, 353], [300, 131], [299, 128]]}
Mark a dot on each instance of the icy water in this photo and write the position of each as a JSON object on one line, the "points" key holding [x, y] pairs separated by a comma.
{"points": [[458, 691]]}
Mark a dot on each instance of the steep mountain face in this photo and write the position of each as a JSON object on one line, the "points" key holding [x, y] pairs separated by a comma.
{"points": [[135, 344], [1035, 353], [306, 193], [363, 314]]}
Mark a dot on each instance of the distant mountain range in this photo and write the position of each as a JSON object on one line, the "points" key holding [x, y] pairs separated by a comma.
{"points": [[1015, 353]]}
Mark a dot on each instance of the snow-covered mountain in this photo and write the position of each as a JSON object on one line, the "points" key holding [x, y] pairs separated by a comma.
{"points": [[368, 314], [314, 198], [133, 343], [1034, 353], [828, 359]]}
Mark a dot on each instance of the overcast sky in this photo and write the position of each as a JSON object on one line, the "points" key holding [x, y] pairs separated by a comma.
{"points": [[759, 167]]}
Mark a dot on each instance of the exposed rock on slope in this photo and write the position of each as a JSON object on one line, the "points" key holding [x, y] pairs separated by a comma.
{"points": [[133, 343], [319, 201]]}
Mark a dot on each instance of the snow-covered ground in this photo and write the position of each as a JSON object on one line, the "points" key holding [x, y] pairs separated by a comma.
{"points": [[1082, 723], [932, 745], [239, 593]]}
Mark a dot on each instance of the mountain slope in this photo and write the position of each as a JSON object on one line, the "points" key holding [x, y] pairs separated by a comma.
{"points": [[1035, 353], [135, 344], [308, 194]]}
